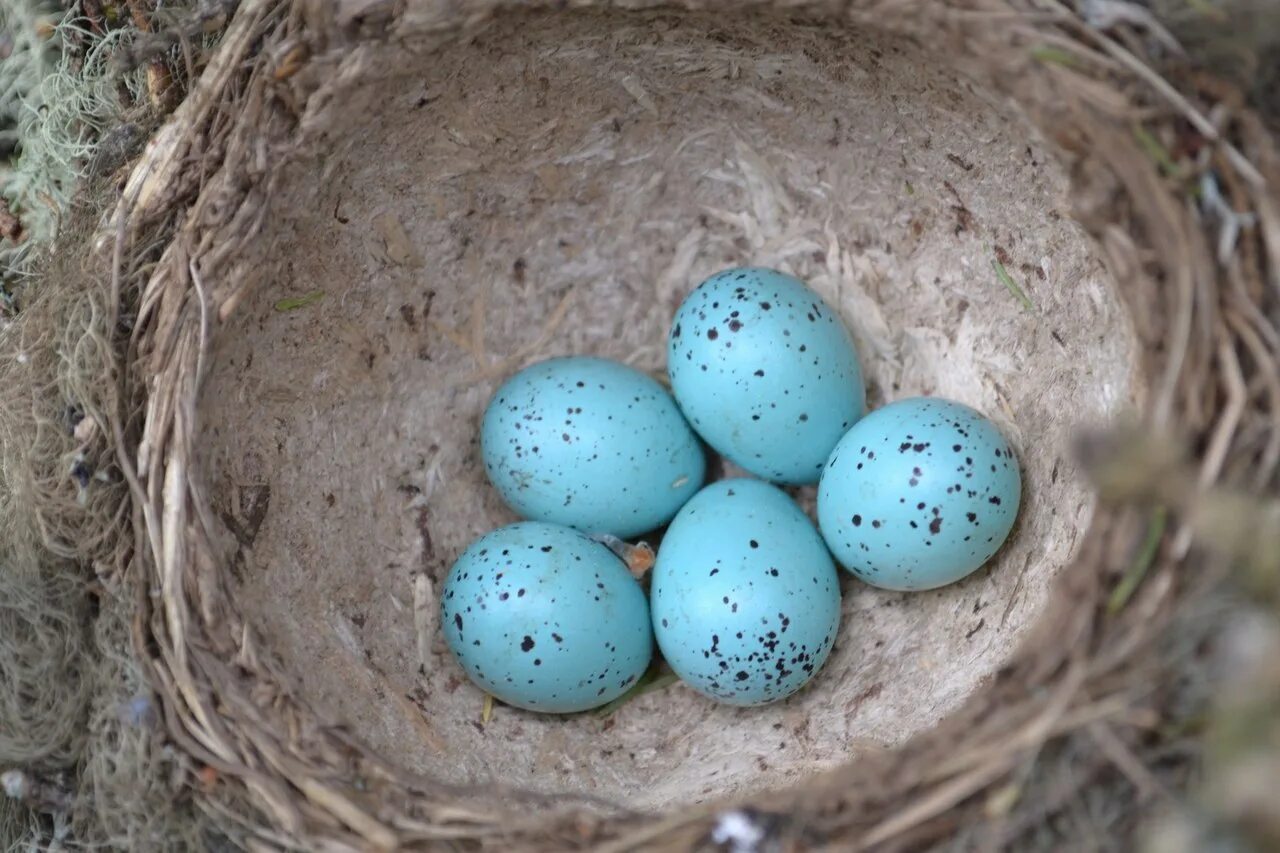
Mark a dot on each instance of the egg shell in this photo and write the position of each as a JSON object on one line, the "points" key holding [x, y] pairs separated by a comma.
{"points": [[592, 444], [745, 597], [546, 619], [919, 494], [766, 372]]}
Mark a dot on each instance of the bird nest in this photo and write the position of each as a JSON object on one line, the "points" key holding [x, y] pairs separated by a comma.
{"points": [[365, 215]]}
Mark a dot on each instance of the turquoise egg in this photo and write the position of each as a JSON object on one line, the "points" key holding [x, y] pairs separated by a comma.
{"points": [[919, 494], [745, 597], [766, 372], [592, 444], [546, 619]]}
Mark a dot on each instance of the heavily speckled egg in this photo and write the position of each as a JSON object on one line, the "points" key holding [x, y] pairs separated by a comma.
{"points": [[591, 444], [745, 597], [919, 494], [766, 372], [545, 618]]}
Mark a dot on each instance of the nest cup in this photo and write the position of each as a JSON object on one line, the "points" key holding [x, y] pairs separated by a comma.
{"points": [[442, 194], [555, 184]]}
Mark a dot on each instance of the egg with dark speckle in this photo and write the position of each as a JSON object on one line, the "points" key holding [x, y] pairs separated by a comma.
{"points": [[919, 494], [766, 372], [545, 618], [592, 444], [745, 597]]}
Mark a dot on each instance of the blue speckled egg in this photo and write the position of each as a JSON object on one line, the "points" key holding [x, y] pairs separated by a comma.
{"points": [[766, 372], [745, 598], [919, 494], [546, 619], [591, 444]]}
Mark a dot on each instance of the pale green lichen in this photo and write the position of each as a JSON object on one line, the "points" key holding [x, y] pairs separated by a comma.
{"points": [[28, 59], [59, 94]]}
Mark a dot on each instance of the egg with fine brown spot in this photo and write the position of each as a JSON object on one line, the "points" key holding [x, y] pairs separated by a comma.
{"points": [[545, 618], [766, 372], [919, 494], [591, 444], [745, 598]]}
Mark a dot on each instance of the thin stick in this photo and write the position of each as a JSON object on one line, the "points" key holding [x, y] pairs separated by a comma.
{"points": [[941, 799], [1119, 754], [204, 321], [1220, 441], [657, 829], [423, 607], [1271, 381], [375, 832]]}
